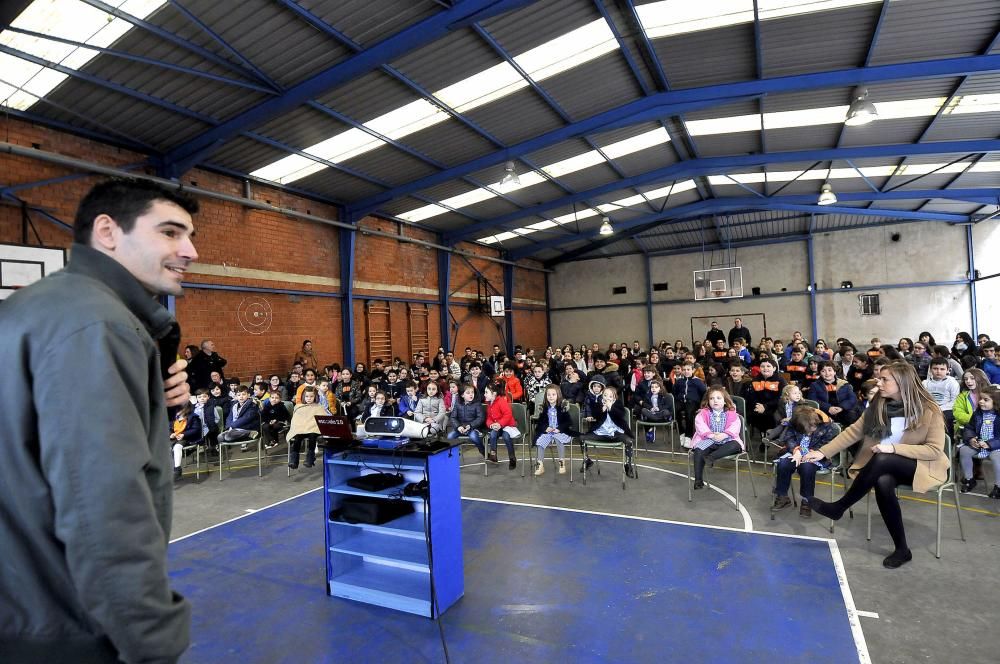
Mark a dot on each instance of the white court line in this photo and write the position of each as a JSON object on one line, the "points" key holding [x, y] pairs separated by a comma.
{"points": [[243, 516], [867, 614], [852, 610], [747, 520]]}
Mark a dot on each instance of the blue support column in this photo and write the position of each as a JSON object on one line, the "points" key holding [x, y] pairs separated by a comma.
{"points": [[649, 299], [444, 293], [347, 246], [972, 280], [812, 288], [508, 297]]}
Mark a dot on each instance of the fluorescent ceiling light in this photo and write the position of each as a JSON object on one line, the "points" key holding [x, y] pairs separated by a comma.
{"points": [[565, 52], [24, 83], [677, 17]]}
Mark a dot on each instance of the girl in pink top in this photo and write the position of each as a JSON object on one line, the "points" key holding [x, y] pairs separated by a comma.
{"points": [[717, 429]]}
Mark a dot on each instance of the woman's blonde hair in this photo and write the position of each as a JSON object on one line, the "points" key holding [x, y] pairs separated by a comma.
{"points": [[912, 395]]}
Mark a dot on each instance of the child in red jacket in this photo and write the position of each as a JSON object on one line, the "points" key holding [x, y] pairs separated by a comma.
{"points": [[500, 422]]}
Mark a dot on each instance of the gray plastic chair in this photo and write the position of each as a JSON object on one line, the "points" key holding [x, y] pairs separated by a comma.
{"points": [[670, 425]]}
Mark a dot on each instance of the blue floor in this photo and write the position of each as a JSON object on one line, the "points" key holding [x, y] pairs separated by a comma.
{"points": [[541, 586]]}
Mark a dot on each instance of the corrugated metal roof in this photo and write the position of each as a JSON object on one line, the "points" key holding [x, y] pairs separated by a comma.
{"points": [[337, 184], [708, 57], [579, 98], [368, 22], [539, 22], [924, 29], [516, 117], [450, 143], [451, 59], [790, 45]]}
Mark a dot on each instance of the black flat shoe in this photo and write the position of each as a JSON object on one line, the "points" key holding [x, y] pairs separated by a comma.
{"points": [[512, 464], [968, 485], [995, 493], [825, 509], [629, 470], [699, 485], [897, 559]]}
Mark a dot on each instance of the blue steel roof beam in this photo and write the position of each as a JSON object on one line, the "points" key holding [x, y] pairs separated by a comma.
{"points": [[759, 68], [170, 37], [795, 179], [224, 44], [349, 171], [410, 38], [119, 139], [684, 146], [553, 104], [332, 32], [48, 182], [736, 224], [954, 93], [725, 164], [955, 179], [923, 175], [108, 85], [857, 170], [690, 99], [868, 56], [144, 60], [798, 203], [404, 148]]}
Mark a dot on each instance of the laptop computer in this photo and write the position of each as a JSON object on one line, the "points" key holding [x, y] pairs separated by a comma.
{"points": [[335, 432]]}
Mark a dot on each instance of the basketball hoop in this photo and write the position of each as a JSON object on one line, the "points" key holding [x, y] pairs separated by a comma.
{"points": [[718, 293]]}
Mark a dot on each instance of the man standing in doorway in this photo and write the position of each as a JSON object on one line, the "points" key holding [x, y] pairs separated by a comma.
{"points": [[740, 331], [87, 483], [715, 335]]}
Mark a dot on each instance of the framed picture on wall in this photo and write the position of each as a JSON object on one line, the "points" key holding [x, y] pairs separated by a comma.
{"points": [[23, 265]]}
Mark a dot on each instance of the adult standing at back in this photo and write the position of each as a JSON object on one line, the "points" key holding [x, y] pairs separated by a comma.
{"points": [[739, 331], [87, 486], [306, 357], [203, 364], [715, 335]]}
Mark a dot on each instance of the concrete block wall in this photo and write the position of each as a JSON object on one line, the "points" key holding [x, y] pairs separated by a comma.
{"points": [[242, 249], [924, 252]]}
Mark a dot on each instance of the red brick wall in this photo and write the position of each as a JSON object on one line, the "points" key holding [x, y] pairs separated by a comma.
{"points": [[239, 238]]}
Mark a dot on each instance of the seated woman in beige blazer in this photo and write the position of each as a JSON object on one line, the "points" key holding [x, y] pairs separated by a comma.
{"points": [[902, 435]]}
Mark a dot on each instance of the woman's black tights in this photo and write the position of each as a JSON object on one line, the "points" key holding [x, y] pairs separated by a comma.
{"points": [[883, 473]]}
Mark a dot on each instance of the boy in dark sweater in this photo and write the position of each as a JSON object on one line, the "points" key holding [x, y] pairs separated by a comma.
{"points": [[688, 392]]}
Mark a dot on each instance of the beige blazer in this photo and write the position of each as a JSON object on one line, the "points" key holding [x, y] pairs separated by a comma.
{"points": [[925, 443]]}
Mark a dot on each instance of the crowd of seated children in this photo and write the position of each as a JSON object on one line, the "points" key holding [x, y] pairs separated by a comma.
{"points": [[807, 429], [433, 392]]}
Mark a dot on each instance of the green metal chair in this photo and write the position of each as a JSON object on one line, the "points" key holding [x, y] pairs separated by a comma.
{"points": [[255, 437], [810, 403], [670, 425], [610, 445], [465, 440], [736, 458], [947, 485], [528, 442]]}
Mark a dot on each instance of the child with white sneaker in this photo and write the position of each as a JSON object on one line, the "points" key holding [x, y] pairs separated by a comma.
{"points": [[553, 425]]}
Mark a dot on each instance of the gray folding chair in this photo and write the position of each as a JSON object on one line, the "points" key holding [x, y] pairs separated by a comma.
{"points": [[732, 457]]}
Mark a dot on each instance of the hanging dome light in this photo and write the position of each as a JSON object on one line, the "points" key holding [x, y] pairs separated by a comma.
{"points": [[606, 228], [861, 111], [826, 195], [509, 181]]}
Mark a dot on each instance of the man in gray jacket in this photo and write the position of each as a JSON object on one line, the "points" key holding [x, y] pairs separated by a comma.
{"points": [[86, 502]]}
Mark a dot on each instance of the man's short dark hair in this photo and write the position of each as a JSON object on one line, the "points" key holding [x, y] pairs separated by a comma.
{"points": [[939, 362], [600, 357], [124, 200], [242, 389]]}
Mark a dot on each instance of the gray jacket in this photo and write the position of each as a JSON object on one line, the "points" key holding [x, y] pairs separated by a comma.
{"points": [[87, 489]]}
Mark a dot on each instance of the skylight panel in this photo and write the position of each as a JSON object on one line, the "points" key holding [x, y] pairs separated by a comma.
{"points": [[69, 19], [643, 141], [989, 103], [573, 164], [289, 169], [677, 17], [553, 57]]}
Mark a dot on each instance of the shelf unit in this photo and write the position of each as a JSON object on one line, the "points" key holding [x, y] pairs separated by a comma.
{"points": [[389, 564]]}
